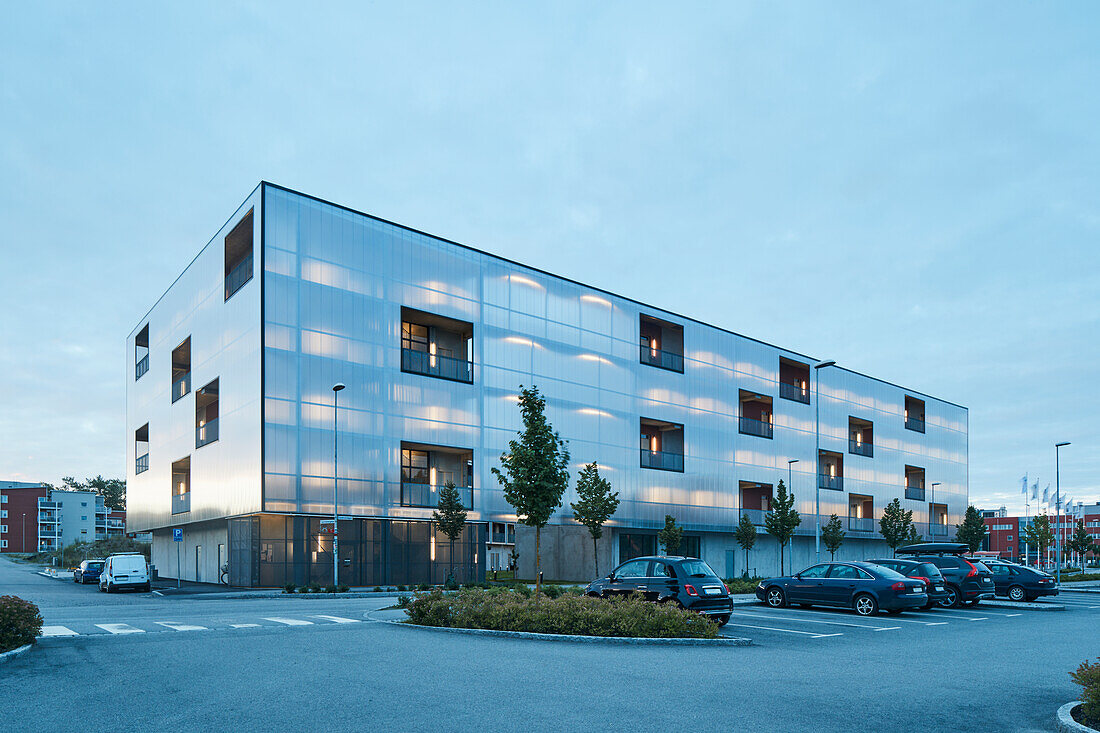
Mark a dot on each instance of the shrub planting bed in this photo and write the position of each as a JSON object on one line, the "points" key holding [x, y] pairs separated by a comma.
{"points": [[20, 623], [1088, 676], [743, 585], [501, 609]]}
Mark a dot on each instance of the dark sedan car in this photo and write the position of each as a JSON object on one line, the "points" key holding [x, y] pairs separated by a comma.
{"points": [[923, 571], [88, 571], [861, 586], [966, 581], [1020, 583], [685, 581]]}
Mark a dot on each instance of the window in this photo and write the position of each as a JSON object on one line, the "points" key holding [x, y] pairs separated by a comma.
{"points": [[141, 352], [635, 569], [84, 519], [661, 344], [633, 545], [238, 256], [181, 369], [696, 569], [861, 513], [817, 571], [860, 437], [206, 415], [435, 346], [755, 500], [914, 483], [661, 445], [914, 414], [181, 486], [831, 473], [1008, 538], [83, 503], [660, 570], [3, 544], [794, 380], [3, 498], [846, 572], [3, 529], [756, 414], [3, 513], [427, 468], [689, 546], [141, 449]]}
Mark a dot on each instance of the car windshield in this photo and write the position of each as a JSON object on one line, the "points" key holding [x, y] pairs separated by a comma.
{"points": [[95, 566], [929, 570], [697, 569], [980, 567]]}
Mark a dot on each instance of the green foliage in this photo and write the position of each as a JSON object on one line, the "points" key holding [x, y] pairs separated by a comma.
{"points": [[423, 586], [20, 622], [782, 519], [1081, 541], [315, 587], [595, 505], [1081, 577], [534, 472], [450, 518], [330, 589], [833, 534], [504, 610], [745, 584], [289, 588], [552, 591], [972, 532], [1088, 676], [671, 536], [377, 589], [745, 534], [1039, 533], [343, 588], [896, 526], [113, 490], [78, 551], [451, 583], [401, 588], [404, 601]]}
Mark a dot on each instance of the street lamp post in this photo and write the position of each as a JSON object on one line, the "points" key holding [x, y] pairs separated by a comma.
{"points": [[335, 482], [23, 526], [932, 510], [817, 455], [1057, 515]]}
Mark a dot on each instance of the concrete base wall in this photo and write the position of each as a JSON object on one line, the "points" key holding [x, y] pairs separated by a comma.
{"points": [[566, 553], [199, 566]]}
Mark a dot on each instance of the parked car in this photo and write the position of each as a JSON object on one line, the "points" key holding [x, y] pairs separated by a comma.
{"points": [[88, 571], [1020, 583], [965, 581], [686, 581], [126, 570], [862, 586], [934, 585]]}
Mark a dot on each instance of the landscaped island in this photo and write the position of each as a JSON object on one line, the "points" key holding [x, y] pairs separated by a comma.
{"points": [[503, 609]]}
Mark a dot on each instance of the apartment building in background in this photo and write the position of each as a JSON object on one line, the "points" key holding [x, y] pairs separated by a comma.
{"points": [[34, 518], [231, 424], [1006, 533]]}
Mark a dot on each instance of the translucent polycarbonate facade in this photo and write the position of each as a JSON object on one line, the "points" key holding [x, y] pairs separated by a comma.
{"points": [[334, 285]]}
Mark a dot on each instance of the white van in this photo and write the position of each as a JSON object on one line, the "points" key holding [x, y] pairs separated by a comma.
{"points": [[128, 570]]}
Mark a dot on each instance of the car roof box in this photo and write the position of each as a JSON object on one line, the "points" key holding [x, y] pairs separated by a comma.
{"points": [[935, 548]]}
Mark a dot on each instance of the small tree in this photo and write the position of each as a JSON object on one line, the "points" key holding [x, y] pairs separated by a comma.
{"points": [[671, 535], [596, 504], [1040, 534], [782, 519], [1081, 542], [451, 519], [896, 526], [972, 532], [746, 537], [833, 534], [534, 471]]}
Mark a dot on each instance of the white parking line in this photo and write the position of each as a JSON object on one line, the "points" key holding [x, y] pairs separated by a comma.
{"points": [[121, 628], [180, 627], [245, 626], [289, 621], [336, 619], [813, 621], [58, 631], [980, 618], [888, 628], [810, 634]]}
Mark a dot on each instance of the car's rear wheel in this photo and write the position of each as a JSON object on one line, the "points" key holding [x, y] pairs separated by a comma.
{"points": [[1016, 593], [722, 619], [952, 600], [865, 605], [775, 598]]}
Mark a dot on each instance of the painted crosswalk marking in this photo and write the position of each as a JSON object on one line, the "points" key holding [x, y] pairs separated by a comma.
{"points": [[289, 621], [180, 627], [58, 631], [245, 626], [121, 628], [337, 619]]}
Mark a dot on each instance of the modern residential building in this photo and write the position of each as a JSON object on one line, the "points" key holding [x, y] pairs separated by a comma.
{"points": [[35, 518], [19, 515], [231, 421]]}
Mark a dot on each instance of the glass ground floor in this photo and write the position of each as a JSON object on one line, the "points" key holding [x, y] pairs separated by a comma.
{"points": [[271, 550]]}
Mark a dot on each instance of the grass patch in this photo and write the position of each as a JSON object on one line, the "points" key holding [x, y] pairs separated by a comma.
{"points": [[500, 609], [1080, 577]]}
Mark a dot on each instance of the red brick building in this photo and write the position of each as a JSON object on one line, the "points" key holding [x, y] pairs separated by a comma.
{"points": [[19, 515], [1006, 534]]}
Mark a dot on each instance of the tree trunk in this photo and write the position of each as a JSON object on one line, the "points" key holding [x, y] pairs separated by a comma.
{"points": [[745, 572], [538, 564], [781, 544], [595, 557], [452, 559]]}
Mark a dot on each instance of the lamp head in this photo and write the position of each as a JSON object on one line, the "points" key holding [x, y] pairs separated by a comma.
{"points": [[337, 387], [793, 460], [824, 364], [1059, 445]]}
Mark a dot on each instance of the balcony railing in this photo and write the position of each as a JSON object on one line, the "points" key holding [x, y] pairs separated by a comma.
{"points": [[914, 423], [937, 530], [142, 463], [503, 538], [794, 392], [756, 516], [861, 524], [664, 359], [434, 365], [662, 460], [181, 386], [141, 367], [181, 503], [835, 483], [238, 276], [47, 519], [750, 426], [207, 433], [427, 495], [914, 492], [860, 448]]}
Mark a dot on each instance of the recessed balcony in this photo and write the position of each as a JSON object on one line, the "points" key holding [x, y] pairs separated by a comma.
{"points": [[755, 414], [238, 256], [206, 414], [141, 352], [794, 380], [662, 445], [181, 369], [755, 500], [860, 437], [861, 513], [181, 486], [914, 414], [831, 473], [426, 469], [661, 344], [435, 346], [914, 483]]}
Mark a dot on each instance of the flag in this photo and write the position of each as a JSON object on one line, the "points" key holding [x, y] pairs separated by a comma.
{"points": [[1035, 490], [1023, 488], [1046, 494]]}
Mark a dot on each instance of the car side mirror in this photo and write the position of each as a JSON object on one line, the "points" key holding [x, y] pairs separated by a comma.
{"points": [[798, 576], [611, 578]]}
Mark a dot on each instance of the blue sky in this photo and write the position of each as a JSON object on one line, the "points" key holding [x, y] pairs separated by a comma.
{"points": [[907, 188]]}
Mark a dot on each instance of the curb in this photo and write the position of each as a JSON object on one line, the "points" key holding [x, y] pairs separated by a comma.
{"points": [[722, 641], [1064, 589], [1065, 723], [237, 596], [8, 656], [1026, 605]]}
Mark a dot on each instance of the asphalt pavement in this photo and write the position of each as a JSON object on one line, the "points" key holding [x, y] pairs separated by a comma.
{"points": [[219, 663]]}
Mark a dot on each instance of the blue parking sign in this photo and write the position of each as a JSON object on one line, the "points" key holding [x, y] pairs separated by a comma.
{"points": [[177, 535]]}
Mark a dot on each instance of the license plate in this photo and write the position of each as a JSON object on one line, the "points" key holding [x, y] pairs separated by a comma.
{"points": [[939, 588], [711, 591]]}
